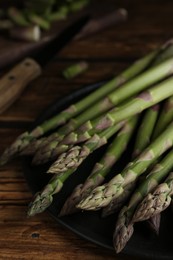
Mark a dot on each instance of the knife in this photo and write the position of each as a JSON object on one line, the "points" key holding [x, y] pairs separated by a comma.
{"points": [[14, 82]]}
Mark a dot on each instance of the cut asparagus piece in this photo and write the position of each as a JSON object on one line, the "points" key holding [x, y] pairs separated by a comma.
{"points": [[101, 168], [75, 69], [102, 195], [124, 225]]}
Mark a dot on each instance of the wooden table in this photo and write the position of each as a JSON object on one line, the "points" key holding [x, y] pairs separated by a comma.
{"points": [[150, 24]]}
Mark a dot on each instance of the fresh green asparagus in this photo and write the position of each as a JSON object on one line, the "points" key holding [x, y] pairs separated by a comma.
{"points": [[101, 168], [146, 99], [23, 140], [102, 195], [43, 199], [124, 226]]}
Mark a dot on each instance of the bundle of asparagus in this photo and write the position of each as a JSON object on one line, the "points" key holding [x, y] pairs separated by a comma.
{"points": [[110, 113]]}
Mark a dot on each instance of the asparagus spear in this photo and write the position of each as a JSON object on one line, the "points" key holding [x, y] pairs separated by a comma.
{"points": [[165, 118], [156, 201], [101, 168], [124, 226], [24, 139], [102, 195], [43, 199]]}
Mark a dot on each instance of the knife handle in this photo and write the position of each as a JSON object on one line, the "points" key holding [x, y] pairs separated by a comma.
{"points": [[13, 83]]}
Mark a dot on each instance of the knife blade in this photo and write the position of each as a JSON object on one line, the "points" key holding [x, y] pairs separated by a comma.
{"points": [[13, 83]]}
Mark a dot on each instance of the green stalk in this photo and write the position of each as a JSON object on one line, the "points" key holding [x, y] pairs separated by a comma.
{"points": [[124, 226], [102, 195], [146, 128], [101, 168], [43, 199], [143, 139], [143, 101], [23, 140], [165, 117]]}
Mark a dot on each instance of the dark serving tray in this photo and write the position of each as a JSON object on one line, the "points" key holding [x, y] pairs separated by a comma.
{"points": [[90, 225]]}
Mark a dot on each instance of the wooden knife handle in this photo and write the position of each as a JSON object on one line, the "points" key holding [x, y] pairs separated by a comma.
{"points": [[13, 83]]}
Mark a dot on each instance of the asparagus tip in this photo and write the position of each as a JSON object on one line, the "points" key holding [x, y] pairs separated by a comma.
{"points": [[39, 204], [121, 237]]}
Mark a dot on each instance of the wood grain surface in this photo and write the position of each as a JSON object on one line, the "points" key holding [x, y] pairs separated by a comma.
{"points": [[149, 24]]}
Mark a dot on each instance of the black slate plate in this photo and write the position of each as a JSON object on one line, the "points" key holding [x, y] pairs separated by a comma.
{"points": [[90, 225]]}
